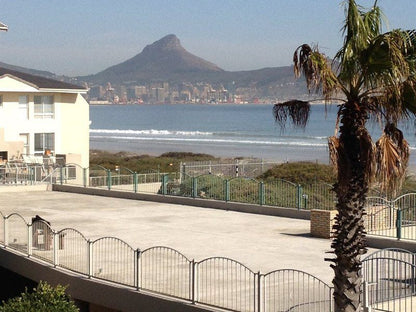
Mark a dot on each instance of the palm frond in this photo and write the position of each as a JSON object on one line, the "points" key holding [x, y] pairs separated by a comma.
{"points": [[389, 74], [296, 111], [392, 159], [360, 27], [302, 63], [317, 70], [384, 61]]}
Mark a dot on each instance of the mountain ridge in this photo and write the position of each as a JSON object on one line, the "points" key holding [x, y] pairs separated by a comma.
{"points": [[166, 60]]}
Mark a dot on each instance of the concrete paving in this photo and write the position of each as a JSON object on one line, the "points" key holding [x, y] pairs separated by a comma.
{"points": [[263, 243]]}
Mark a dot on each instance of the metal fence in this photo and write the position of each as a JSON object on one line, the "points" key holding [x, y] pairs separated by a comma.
{"points": [[250, 168], [218, 282], [389, 275], [392, 218], [279, 193], [241, 188], [291, 290]]}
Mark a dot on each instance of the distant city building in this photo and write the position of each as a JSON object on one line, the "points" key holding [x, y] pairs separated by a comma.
{"points": [[96, 92]]}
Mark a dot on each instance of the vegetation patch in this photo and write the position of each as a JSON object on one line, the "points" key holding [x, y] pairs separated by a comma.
{"points": [[44, 298], [167, 162], [301, 173]]}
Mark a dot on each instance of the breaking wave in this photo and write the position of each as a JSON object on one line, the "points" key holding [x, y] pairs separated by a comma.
{"points": [[150, 132]]}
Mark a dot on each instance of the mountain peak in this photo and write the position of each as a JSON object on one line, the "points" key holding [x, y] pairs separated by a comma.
{"points": [[169, 42], [164, 60]]}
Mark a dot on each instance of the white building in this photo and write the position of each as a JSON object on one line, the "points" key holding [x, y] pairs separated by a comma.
{"points": [[41, 116]]}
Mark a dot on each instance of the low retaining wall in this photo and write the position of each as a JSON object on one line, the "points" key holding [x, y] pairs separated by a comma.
{"points": [[95, 293], [204, 203], [16, 188]]}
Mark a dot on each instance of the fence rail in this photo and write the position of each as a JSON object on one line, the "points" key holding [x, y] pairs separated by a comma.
{"points": [[249, 168], [392, 218], [390, 284], [389, 275], [217, 281], [229, 188]]}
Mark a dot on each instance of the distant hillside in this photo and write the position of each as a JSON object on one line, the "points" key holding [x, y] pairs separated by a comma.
{"points": [[29, 71], [167, 61]]}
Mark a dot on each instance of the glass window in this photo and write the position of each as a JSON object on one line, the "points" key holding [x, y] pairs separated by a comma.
{"points": [[24, 106], [44, 106], [1, 101], [44, 141]]}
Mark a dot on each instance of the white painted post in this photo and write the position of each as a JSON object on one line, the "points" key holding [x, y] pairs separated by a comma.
{"points": [[29, 240], [366, 305], [137, 269], [90, 260], [6, 232], [55, 247]]}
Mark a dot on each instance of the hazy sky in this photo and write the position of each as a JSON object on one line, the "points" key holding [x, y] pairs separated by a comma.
{"points": [[75, 37]]}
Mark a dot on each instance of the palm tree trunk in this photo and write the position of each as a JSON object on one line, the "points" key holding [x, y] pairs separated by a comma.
{"points": [[351, 189]]}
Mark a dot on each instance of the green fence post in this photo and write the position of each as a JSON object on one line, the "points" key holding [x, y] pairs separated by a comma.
{"points": [[227, 190], [165, 184], [84, 177], [399, 224], [299, 197], [109, 179], [194, 187], [135, 181], [261, 193], [62, 175]]}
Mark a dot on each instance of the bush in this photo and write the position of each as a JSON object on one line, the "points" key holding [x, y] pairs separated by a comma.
{"points": [[167, 162], [44, 298], [301, 173]]}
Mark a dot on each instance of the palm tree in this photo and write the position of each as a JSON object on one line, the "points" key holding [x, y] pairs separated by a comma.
{"points": [[372, 75]]}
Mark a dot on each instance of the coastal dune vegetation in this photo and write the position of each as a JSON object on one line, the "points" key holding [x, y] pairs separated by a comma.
{"points": [[301, 172]]}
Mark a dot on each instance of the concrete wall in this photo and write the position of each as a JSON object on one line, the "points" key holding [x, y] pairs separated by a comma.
{"points": [[205, 203], [14, 148], [100, 296], [74, 128]]}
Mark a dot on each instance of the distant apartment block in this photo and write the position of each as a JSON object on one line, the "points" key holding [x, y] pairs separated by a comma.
{"points": [[42, 117]]}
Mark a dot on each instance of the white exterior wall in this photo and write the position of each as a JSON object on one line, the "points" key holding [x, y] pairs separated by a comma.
{"points": [[74, 127]]}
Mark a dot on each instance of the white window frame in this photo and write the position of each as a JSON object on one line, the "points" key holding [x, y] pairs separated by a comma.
{"points": [[44, 106], [26, 143], [24, 106]]}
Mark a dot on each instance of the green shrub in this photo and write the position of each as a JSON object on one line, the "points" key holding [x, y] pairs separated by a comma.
{"points": [[301, 173], [44, 298], [167, 162]]}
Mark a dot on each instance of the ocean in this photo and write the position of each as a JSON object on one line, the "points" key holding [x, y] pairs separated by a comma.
{"points": [[221, 130]]}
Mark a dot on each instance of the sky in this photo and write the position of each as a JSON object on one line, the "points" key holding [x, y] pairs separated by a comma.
{"points": [[81, 37]]}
